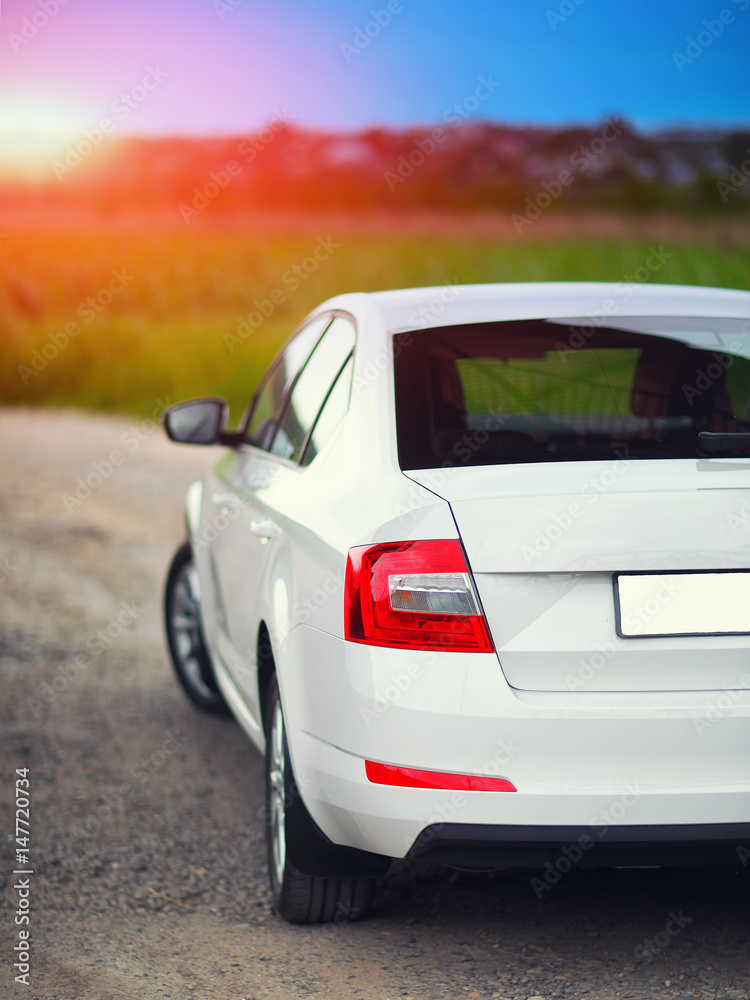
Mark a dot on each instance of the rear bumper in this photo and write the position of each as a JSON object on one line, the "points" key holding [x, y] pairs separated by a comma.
{"points": [[661, 770], [558, 848]]}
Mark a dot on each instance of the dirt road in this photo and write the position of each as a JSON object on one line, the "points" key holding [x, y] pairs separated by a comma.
{"points": [[146, 838]]}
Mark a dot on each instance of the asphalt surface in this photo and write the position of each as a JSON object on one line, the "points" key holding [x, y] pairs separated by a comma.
{"points": [[146, 836]]}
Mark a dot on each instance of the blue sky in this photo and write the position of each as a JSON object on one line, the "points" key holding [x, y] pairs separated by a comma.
{"points": [[226, 66]]}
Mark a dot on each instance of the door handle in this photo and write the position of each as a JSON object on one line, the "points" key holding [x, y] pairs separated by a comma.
{"points": [[225, 501], [262, 528]]}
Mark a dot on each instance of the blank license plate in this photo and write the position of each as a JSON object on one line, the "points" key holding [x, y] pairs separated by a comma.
{"points": [[661, 604]]}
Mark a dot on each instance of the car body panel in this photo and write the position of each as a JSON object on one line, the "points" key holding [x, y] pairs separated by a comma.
{"points": [[420, 308]]}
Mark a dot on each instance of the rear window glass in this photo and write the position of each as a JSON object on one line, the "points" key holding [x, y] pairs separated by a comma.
{"points": [[562, 390]]}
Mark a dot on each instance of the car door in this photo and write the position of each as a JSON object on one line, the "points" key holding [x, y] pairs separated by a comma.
{"points": [[241, 530], [285, 428]]}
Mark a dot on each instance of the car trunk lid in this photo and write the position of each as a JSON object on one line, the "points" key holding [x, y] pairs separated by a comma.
{"points": [[546, 543]]}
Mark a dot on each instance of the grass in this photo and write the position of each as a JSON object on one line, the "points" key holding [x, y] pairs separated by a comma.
{"points": [[165, 303]]}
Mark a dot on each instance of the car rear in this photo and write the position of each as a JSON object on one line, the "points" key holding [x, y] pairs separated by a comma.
{"points": [[560, 671]]}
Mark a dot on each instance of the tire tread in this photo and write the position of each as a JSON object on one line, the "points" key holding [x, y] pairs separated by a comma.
{"points": [[307, 899]]}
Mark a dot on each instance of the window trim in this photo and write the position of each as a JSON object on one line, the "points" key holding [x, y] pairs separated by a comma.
{"points": [[332, 314], [250, 409], [332, 386], [336, 314]]}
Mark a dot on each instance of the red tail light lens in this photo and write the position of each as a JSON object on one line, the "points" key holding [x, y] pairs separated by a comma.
{"points": [[409, 777], [413, 595]]}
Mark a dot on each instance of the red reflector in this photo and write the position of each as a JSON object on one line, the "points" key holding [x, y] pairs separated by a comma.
{"points": [[408, 777], [413, 595]]}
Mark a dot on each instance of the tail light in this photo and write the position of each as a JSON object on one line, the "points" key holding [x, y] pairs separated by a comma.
{"points": [[413, 595]]}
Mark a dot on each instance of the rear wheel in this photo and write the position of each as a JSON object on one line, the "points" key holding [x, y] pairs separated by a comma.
{"points": [[298, 897], [187, 647]]}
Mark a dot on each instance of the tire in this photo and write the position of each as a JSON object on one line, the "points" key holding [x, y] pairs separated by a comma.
{"points": [[298, 897], [187, 647]]}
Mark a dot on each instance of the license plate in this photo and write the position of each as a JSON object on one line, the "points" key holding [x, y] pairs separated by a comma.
{"points": [[664, 604]]}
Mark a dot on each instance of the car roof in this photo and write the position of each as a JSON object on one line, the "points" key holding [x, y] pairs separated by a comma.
{"points": [[451, 305]]}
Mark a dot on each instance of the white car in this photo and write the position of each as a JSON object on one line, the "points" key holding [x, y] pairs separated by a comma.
{"points": [[474, 573]]}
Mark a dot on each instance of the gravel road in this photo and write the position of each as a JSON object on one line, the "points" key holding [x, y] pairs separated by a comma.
{"points": [[146, 838]]}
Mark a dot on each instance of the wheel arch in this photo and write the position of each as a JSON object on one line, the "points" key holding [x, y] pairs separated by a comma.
{"points": [[193, 504]]}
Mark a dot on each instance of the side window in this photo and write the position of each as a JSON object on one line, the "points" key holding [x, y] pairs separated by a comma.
{"points": [[334, 410], [271, 394], [312, 389]]}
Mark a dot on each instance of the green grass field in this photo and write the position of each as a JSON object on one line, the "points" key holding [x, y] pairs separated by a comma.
{"points": [[122, 321]]}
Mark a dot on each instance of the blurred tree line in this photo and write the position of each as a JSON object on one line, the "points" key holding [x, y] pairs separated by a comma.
{"points": [[476, 166]]}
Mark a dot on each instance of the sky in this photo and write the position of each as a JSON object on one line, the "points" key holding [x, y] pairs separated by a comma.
{"points": [[206, 67]]}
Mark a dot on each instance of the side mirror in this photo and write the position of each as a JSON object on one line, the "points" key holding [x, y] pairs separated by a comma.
{"points": [[199, 421]]}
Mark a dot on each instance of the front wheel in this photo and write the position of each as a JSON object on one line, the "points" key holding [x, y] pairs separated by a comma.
{"points": [[187, 647], [300, 898]]}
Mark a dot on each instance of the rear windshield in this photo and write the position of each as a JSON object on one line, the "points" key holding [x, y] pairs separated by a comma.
{"points": [[562, 390]]}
